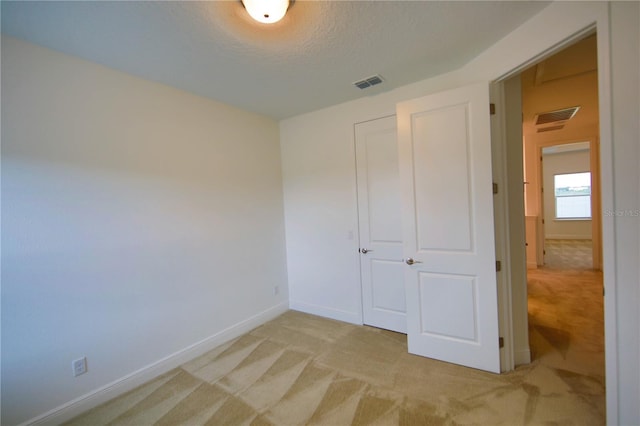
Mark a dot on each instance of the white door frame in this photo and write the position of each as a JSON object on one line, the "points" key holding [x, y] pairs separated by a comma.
{"points": [[510, 248], [596, 207], [606, 190]]}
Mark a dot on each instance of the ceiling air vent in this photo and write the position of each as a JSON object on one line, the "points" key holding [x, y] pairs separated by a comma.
{"points": [[549, 129], [368, 82], [556, 116]]}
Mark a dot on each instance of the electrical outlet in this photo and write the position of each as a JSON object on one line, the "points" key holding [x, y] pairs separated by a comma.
{"points": [[79, 366], [276, 290]]}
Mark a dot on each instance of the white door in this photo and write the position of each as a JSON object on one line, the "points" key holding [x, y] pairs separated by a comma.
{"points": [[379, 208], [445, 172]]}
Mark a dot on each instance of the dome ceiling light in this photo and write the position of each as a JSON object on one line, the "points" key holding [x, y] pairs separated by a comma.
{"points": [[266, 11]]}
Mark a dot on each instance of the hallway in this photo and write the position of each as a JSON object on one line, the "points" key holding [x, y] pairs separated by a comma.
{"points": [[566, 318]]}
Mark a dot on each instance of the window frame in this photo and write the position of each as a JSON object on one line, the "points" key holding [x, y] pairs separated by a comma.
{"points": [[556, 196]]}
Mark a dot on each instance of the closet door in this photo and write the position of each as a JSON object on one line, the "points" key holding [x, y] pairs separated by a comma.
{"points": [[382, 269]]}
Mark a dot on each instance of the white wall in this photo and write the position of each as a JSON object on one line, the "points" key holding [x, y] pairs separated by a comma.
{"points": [[320, 193], [623, 299], [559, 163], [137, 221]]}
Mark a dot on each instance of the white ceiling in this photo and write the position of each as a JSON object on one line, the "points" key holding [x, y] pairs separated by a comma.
{"points": [[307, 61]]}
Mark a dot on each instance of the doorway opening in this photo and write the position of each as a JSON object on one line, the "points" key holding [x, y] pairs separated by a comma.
{"points": [[563, 215], [569, 208]]}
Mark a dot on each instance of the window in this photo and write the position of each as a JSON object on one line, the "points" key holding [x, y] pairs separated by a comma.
{"points": [[573, 195]]}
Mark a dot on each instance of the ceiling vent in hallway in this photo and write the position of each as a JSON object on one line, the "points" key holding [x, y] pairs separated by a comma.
{"points": [[556, 116], [368, 82]]}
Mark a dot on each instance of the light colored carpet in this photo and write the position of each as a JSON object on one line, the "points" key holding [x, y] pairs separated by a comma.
{"points": [[566, 322], [301, 369], [568, 254]]}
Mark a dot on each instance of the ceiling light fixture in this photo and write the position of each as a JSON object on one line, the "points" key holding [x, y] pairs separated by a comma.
{"points": [[266, 11]]}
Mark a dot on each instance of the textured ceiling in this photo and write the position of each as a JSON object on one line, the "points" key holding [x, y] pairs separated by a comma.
{"points": [[307, 61]]}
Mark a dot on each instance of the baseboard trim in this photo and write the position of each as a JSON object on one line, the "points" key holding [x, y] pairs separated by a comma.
{"points": [[522, 356], [124, 384], [323, 311], [567, 237]]}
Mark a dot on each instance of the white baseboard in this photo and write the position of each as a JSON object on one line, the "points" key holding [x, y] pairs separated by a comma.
{"points": [[124, 384], [522, 356], [567, 237], [322, 311]]}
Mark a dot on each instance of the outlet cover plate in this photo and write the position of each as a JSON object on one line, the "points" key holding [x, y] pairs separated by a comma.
{"points": [[79, 366]]}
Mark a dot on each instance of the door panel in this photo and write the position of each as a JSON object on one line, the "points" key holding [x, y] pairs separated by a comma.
{"points": [[445, 172], [380, 226], [455, 296], [382, 181], [442, 141], [387, 285]]}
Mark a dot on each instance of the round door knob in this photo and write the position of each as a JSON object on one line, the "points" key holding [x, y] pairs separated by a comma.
{"points": [[410, 261]]}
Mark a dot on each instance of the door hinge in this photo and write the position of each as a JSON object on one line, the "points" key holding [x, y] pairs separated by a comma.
{"points": [[501, 342], [498, 266], [492, 109], [495, 188]]}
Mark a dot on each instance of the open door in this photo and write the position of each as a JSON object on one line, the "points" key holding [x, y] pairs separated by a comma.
{"points": [[444, 147]]}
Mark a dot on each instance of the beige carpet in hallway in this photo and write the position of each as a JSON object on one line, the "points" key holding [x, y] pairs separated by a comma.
{"points": [[568, 254], [301, 369], [566, 326]]}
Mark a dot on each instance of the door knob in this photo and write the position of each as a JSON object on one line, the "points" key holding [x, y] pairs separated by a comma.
{"points": [[365, 251], [410, 261]]}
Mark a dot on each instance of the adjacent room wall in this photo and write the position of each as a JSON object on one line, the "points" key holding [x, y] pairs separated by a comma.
{"points": [[137, 221], [560, 163], [320, 192]]}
